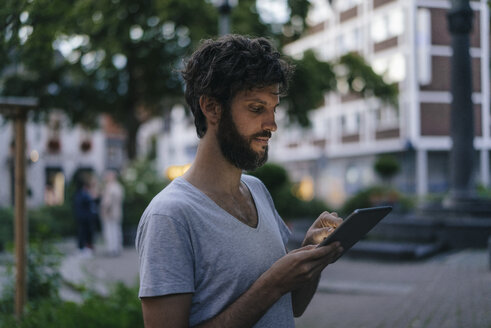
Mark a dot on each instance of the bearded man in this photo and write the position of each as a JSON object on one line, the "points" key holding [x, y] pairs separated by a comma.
{"points": [[212, 246]]}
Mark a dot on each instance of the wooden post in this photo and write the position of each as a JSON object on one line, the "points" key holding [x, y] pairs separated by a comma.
{"points": [[20, 213], [16, 108]]}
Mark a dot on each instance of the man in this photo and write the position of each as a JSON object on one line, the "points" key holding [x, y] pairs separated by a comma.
{"points": [[112, 214], [211, 244]]}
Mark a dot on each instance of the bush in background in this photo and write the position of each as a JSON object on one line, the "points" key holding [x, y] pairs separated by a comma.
{"points": [[44, 222], [141, 183], [377, 196], [6, 227], [386, 167], [45, 309], [278, 183], [43, 276]]}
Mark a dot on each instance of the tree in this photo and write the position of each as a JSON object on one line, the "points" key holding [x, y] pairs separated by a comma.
{"points": [[122, 57], [107, 56]]}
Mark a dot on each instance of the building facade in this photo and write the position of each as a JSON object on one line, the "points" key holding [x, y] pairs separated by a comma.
{"points": [[406, 41], [55, 152]]}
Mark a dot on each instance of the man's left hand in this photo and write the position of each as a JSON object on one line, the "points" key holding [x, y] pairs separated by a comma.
{"points": [[321, 228]]}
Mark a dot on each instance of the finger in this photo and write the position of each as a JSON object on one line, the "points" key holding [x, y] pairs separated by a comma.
{"points": [[329, 259], [323, 251], [302, 249], [328, 219], [318, 235], [321, 264]]}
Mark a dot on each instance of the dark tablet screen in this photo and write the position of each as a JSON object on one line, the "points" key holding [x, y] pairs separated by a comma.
{"points": [[356, 226]]}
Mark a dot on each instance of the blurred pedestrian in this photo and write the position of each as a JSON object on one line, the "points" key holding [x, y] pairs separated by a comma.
{"points": [[111, 214], [85, 212]]}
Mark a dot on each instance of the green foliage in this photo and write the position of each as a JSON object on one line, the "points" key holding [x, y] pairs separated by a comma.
{"points": [[370, 83], [121, 309], [386, 166], [44, 223], [312, 79], [49, 222], [6, 226], [377, 196], [141, 183], [124, 55], [45, 309], [43, 277], [484, 192], [276, 180]]}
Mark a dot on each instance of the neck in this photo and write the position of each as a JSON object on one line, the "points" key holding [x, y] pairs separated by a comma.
{"points": [[210, 171]]}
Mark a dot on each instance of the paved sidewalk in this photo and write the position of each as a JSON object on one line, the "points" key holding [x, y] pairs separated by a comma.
{"points": [[450, 290], [99, 272]]}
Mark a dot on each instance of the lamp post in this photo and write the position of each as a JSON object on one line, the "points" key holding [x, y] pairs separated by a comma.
{"points": [[224, 9], [17, 108], [460, 18]]}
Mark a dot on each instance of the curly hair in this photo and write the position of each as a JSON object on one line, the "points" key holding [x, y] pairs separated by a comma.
{"points": [[221, 68]]}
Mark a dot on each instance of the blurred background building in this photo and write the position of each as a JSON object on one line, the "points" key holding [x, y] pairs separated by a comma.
{"points": [[409, 43], [56, 153]]}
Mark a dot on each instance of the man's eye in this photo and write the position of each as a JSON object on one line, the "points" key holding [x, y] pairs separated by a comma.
{"points": [[256, 109]]}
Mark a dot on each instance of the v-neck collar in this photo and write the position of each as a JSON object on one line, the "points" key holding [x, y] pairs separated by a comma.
{"points": [[207, 198]]}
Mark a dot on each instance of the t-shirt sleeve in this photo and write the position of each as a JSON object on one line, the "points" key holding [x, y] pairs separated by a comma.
{"points": [[284, 230], [166, 257]]}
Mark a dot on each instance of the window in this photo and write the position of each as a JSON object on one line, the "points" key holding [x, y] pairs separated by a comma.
{"points": [[350, 123], [388, 25], [343, 5], [393, 68], [387, 117]]}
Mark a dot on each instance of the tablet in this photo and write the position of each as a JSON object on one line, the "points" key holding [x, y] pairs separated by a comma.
{"points": [[356, 226]]}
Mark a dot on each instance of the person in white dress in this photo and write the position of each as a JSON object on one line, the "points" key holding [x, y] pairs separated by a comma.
{"points": [[111, 212]]}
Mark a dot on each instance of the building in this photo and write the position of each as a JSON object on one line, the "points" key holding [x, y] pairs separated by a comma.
{"points": [[56, 151], [408, 42]]}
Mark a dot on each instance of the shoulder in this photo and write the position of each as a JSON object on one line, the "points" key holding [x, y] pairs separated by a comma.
{"points": [[174, 202], [254, 184], [173, 196], [252, 181]]}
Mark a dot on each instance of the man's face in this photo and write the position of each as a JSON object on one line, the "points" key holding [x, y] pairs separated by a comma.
{"points": [[244, 129]]}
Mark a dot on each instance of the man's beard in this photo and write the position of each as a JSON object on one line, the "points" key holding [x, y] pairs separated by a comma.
{"points": [[237, 148]]}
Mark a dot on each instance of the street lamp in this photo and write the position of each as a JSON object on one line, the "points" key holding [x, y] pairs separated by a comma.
{"points": [[224, 9]]}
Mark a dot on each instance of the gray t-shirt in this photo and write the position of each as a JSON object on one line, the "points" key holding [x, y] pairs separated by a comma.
{"points": [[189, 244]]}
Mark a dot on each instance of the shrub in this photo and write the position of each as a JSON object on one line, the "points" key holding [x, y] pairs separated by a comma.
{"points": [[377, 196], [141, 183], [45, 309], [276, 180], [48, 222], [121, 309], [45, 222], [386, 166], [6, 227], [43, 277]]}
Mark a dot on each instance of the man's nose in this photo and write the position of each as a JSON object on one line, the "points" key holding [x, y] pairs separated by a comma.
{"points": [[269, 123]]}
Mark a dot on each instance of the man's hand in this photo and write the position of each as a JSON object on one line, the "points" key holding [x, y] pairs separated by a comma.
{"points": [[301, 266], [321, 228]]}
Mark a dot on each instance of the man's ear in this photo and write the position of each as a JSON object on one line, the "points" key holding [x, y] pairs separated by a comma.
{"points": [[211, 109]]}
